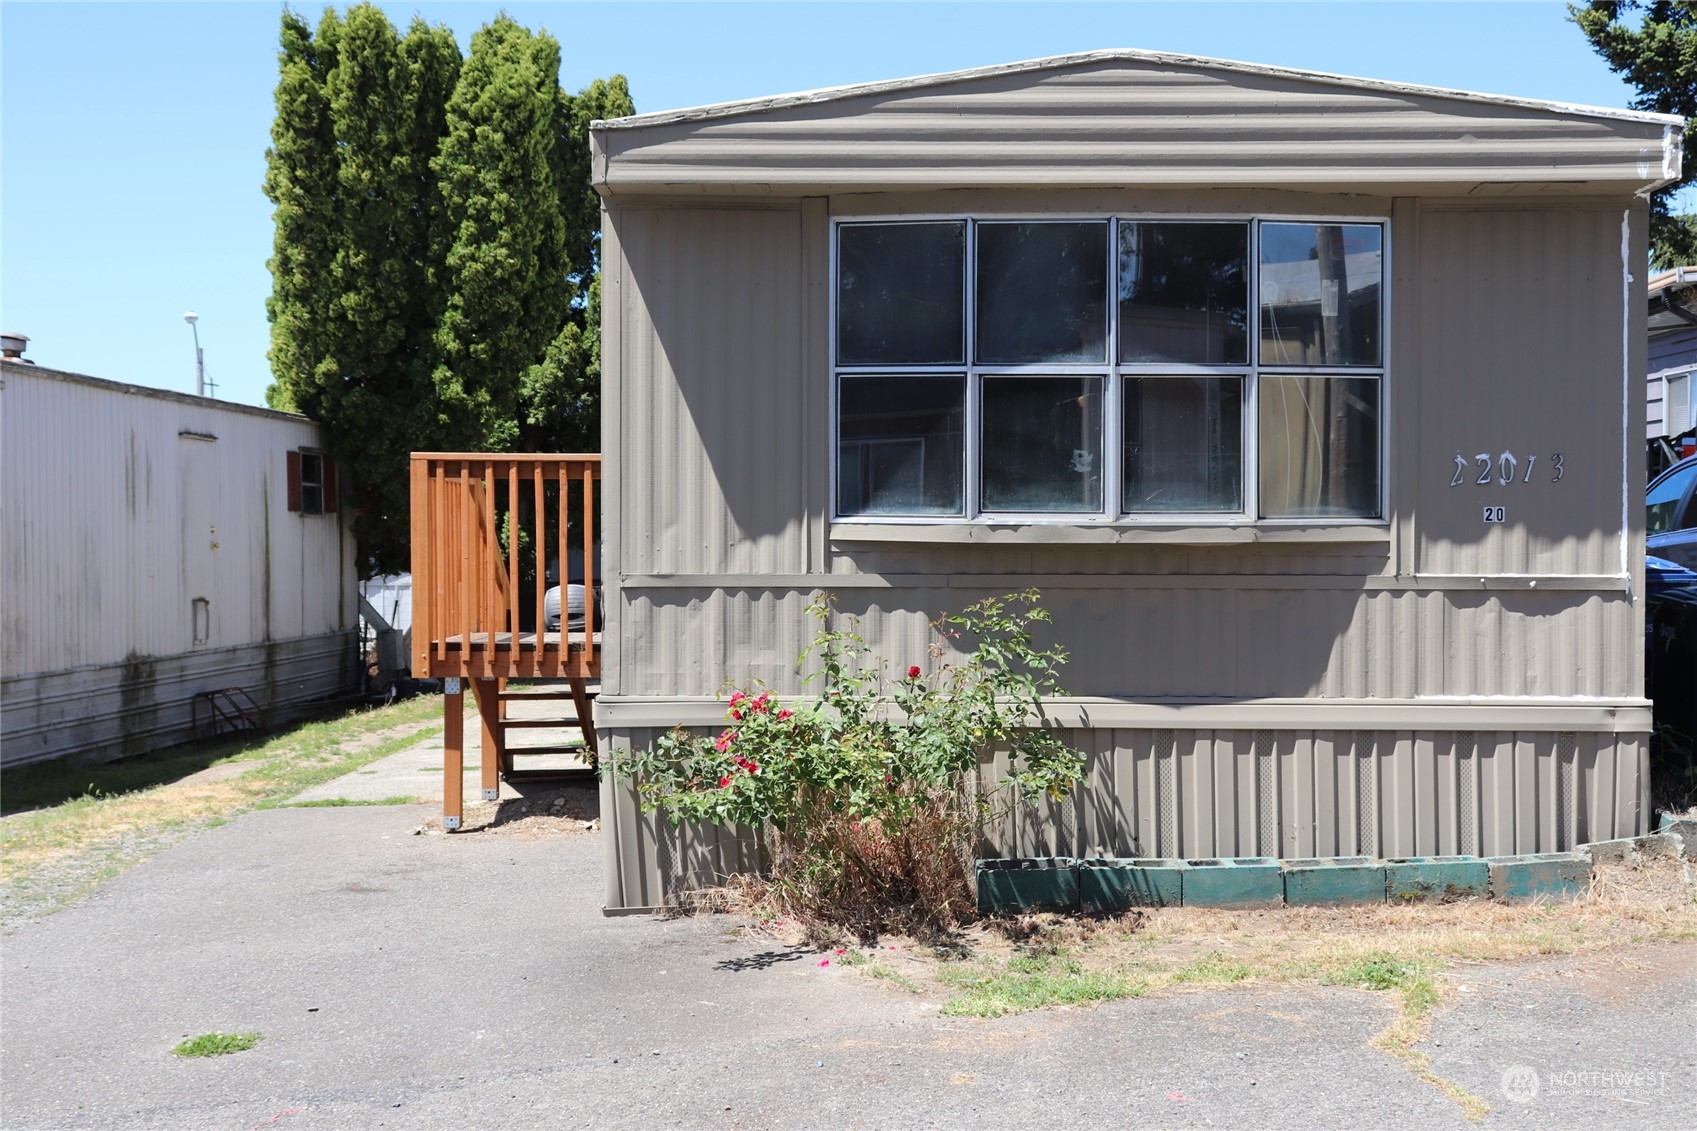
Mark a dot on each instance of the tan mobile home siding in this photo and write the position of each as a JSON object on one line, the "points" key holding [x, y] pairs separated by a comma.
{"points": [[1430, 684], [721, 525]]}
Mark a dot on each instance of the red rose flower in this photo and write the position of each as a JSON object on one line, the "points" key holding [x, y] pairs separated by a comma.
{"points": [[784, 714], [913, 672], [724, 781]]}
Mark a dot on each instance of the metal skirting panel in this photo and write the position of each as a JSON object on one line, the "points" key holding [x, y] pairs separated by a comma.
{"points": [[647, 861], [1215, 793], [116, 710]]}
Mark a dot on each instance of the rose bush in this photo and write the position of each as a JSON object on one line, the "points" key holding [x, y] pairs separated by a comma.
{"points": [[868, 797]]}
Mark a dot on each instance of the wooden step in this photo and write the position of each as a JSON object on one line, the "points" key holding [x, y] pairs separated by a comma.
{"points": [[545, 692], [551, 748], [561, 773], [570, 721]]}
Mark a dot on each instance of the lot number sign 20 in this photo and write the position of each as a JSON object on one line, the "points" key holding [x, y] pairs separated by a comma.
{"points": [[1504, 470]]}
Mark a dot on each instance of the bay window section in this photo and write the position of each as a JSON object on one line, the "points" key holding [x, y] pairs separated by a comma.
{"points": [[1130, 370]]}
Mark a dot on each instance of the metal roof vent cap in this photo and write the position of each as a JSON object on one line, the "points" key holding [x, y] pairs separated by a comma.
{"points": [[12, 346]]}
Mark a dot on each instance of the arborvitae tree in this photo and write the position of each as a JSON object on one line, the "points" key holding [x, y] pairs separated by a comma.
{"points": [[561, 394], [505, 274], [434, 248], [1654, 47], [300, 179], [376, 227]]}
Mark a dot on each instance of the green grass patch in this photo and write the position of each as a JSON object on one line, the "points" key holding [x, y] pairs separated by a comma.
{"points": [[985, 989], [217, 1044], [877, 968], [1212, 969]]}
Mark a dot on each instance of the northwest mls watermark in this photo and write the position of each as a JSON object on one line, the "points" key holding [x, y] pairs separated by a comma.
{"points": [[1523, 1083]]}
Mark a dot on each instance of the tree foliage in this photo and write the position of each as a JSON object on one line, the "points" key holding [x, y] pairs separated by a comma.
{"points": [[1653, 45], [434, 249]]}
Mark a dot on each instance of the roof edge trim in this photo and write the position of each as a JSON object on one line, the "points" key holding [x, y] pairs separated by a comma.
{"points": [[71, 377], [1126, 54]]}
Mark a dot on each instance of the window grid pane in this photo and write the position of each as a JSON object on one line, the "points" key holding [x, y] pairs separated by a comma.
{"points": [[1041, 444], [1183, 445], [901, 294], [899, 445], [1042, 293]]}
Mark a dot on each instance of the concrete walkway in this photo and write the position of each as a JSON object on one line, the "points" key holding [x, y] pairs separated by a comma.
{"points": [[416, 772], [471, 981]]}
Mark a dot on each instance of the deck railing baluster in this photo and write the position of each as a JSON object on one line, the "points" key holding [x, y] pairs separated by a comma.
{"points": [[469, 606]]}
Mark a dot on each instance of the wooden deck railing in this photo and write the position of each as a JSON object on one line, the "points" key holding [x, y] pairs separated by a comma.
{"points": [[484, 530]]}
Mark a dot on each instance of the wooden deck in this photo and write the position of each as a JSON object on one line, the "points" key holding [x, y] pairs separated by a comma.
{"points": [[490, 533]]}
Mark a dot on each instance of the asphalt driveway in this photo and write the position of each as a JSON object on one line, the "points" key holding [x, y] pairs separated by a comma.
{"points": [[471, 981]]}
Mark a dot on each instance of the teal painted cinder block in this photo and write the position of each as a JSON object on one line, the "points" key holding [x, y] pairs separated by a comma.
{"points": [[1241, 881], [1048, 883], [1333, 881], [1547, 875], [1438, 879], [1111, 886]]}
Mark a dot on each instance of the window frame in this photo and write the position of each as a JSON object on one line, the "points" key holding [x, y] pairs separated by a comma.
{"points": [[1114, 373]]}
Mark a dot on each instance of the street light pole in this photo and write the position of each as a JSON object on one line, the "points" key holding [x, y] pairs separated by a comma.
{"points": [[199, 358]]}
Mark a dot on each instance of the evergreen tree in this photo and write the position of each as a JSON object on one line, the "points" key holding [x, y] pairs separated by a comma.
{"points": [[1653, 45], [435, 250], [300, 179], [505, 271], [561, 394]]}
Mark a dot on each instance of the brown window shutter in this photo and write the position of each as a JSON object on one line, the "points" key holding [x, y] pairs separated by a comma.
{"points": [[294, 481], [329, 466]]}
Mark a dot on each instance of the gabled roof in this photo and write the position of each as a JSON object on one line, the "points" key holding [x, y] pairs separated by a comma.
{"points": [[1113, 118], [1110, 55]]}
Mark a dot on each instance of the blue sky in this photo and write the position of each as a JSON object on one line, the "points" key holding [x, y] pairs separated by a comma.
{"points": [[132, 136]]}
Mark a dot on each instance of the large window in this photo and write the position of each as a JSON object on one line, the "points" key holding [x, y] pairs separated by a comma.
{"points": [[1126, 370]]}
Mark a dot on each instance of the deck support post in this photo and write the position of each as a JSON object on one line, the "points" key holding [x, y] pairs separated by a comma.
{"points": [[494, 757], [453, 752]]}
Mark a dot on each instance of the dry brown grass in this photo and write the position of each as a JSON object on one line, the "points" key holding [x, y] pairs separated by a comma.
{"points": [[1409, 950], [55, 855]]}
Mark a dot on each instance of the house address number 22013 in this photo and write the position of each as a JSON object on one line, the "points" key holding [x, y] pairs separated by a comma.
{"points": [[1504, 470]]}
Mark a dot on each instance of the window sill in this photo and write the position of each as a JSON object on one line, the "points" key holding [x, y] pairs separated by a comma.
{"points": [[1026, 534]]}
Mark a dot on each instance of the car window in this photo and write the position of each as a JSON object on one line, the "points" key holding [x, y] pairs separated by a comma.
{"points": [[1665, 498]]}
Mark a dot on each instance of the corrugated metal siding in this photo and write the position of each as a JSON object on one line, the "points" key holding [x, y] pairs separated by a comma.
{"points": [[647, 862], [119, 513], [97, 478], [710, 312], [715, 490], [1520, 323], [114, 710], [1124, 122], [1170, 641], [1211, 793]]}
